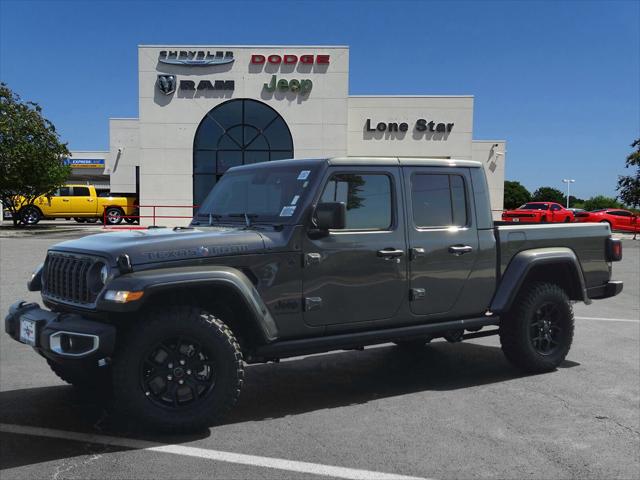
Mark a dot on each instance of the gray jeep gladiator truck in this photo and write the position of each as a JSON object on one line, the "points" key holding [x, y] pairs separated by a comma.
{"points": [[295, 257]]}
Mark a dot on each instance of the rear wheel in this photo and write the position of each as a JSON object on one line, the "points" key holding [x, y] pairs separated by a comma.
{"points": [[537, 333], [113, 216], [543, 220], [79, 219], [181, 369], [30, 215], [567, 220]]}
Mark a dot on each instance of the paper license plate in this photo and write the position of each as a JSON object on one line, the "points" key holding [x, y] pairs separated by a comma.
{"points": [[28, 332]]}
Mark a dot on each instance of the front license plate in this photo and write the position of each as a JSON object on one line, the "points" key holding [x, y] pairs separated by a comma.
{"points": [[28, 332], [516, 219]]}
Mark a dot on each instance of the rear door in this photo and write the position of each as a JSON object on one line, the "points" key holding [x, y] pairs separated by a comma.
{"points": [[82, 202], [443, 240], [358, 274]]}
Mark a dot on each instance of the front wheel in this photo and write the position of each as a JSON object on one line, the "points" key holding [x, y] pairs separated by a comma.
{"points": [[178, 370], [79, 219], [30, 215], [537, 333]]}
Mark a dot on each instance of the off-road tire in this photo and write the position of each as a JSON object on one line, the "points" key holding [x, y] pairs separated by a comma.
{"points": [[130, 399], [82, 377], [516, 328]]}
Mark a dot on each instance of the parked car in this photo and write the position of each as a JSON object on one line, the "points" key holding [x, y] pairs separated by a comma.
{"points": [[80, 202], [539, 212], [618, 219], [295, 257]]}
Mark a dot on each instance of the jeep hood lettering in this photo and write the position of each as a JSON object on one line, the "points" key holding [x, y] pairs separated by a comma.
{"points": [[164, 244]]}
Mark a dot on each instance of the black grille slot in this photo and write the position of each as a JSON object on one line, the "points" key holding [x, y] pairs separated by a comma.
{"points": [[66, 278]]}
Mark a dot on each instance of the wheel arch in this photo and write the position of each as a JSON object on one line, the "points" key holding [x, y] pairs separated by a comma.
{"points": [[222, 291], [559, 266]]}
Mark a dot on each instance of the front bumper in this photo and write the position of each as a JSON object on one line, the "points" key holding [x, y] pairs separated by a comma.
{"points": [[60, 336]]}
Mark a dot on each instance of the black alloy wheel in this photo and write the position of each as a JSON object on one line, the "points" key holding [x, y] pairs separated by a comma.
{"points": [[545, 330], [176, 372]]}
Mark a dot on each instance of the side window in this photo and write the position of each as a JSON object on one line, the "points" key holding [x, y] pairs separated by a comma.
{"points": [[438, 200], [555, 208], [81, 192], [63, 192], [367, 197]]}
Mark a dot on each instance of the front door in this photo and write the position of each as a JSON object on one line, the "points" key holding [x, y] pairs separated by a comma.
{"points": [[443, 240], [58, 204], [358, 274]]}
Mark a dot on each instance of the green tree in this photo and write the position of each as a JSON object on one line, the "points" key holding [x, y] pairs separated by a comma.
{"points": [[515, 194], [31, 154], [600, 201], [549, 194], [629, 185]]}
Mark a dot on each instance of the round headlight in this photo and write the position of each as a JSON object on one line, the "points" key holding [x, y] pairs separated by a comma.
{"points": [[104, 274]]}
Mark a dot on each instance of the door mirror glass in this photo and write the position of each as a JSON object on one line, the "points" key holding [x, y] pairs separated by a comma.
{"points": [[330, 216]]}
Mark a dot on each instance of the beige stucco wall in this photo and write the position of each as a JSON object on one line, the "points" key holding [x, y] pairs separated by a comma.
{"points": [[413, 143], [493, 155], [168, 123]]}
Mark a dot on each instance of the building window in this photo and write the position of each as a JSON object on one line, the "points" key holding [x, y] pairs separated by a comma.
{"points": [[237, 132]]}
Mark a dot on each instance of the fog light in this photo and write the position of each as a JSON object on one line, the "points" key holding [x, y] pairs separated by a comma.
{"points": [[122, 296]]}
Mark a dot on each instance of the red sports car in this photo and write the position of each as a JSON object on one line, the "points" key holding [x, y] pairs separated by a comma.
{"points": [[538, 212], [618, 219]]}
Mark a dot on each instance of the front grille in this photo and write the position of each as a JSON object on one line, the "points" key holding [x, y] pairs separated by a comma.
{"points": [[66, 278]]}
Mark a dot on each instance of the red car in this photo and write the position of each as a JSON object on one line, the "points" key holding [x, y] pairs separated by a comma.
{"points": [[617, 219], [539, 212]]}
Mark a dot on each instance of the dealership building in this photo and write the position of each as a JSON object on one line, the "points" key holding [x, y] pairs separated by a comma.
{"points": [[204, 109]]}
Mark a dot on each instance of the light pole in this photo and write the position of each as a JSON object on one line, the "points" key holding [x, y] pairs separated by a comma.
{"points": [[568, 181]]}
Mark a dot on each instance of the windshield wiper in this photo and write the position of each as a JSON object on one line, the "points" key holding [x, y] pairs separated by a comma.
{"points": [[210, 216], [247, 217]]}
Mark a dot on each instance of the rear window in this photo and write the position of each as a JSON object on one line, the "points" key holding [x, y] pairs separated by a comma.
{"points": [[81, 192], [438, 200]]}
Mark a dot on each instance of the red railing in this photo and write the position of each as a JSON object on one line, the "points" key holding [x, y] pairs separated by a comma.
{"points": [[154, 215]]}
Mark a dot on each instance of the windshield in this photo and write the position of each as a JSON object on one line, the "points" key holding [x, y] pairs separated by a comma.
{"points": [[534, 206], [264, 194]]}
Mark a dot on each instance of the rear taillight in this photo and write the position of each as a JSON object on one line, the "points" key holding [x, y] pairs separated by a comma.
{"points": [[614, 250]]}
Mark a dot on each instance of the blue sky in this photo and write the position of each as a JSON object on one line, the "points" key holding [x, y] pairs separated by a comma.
{"points": [[558, 80]]}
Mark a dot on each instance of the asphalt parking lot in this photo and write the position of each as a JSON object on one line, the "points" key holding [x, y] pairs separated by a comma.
{"points": [[449, 411]]}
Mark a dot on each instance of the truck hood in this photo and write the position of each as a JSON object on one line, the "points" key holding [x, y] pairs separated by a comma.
{"points": [[164, 244]]}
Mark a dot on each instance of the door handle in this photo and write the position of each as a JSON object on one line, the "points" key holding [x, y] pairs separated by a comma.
{"points": [[390, 253], [460, 249], [65, 199]]}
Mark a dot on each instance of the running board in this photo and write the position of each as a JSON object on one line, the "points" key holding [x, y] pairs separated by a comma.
{"points": [[348, 341]]}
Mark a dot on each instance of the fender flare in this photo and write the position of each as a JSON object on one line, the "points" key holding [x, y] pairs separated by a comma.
{"points": [[524, 262], [158, 280]]}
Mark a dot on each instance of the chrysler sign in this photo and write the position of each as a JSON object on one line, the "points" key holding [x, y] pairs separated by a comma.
{"points": [[195, 57]]}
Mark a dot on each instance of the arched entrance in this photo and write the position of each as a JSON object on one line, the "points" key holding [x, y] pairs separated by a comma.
{"points": [[236, 132]]}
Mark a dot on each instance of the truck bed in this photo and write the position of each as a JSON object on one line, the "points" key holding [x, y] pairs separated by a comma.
{"points": [[586, 240]]}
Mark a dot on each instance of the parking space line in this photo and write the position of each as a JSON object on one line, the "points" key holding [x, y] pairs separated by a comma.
{"points": [[602, 319], [216, 455]]}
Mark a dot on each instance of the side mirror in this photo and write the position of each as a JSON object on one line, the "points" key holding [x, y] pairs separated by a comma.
{"points": [[330, 216]]}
